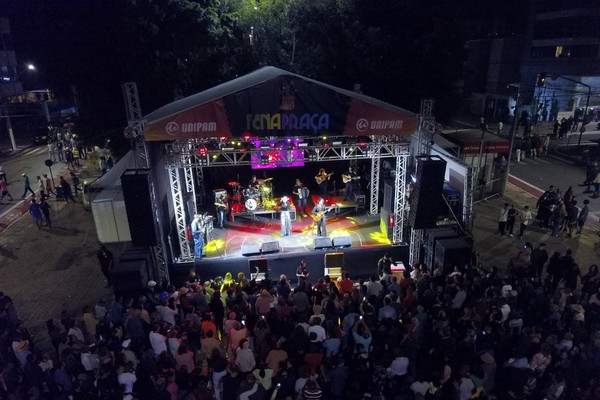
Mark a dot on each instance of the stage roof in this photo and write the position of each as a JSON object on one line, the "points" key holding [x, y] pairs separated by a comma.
{"points": [[274, 102]]}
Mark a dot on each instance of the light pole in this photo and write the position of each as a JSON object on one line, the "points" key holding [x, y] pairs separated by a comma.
{"points": [[513, 132], [587, 103]]}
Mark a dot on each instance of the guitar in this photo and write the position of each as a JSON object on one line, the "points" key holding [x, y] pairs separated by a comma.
{"points": [[222, 205], [319, 215], [320, 178], [348, 178]]}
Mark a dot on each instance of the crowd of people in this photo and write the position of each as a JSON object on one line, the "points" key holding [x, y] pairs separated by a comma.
{"points": [[531, 332]]}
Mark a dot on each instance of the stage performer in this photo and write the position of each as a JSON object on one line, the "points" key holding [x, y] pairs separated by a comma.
{"points": [[222, 207], [322, 180], [302, 192], [302, 272], [253, 184], [348, 178], [318, 212], [286, 221], [197, 228]]}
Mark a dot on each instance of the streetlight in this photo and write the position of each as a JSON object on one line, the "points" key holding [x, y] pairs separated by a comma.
{"points": [[587, 103]]}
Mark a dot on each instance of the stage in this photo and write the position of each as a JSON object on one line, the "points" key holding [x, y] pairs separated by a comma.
{"points": [[250, 237]]}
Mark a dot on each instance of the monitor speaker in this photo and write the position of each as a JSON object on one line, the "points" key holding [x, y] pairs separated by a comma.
{"points": [[342, 241], [427, 192], [250, 249], [322, 243], [270, 247]]}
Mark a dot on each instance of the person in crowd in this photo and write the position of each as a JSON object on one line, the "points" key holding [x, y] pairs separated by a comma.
{"points": [[524, 333]]}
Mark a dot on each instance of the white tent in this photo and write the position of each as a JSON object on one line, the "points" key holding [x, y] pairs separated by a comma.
{"points": [[108, 204]]}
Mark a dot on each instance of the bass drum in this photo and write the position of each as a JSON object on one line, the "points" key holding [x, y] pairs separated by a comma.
{"points": [[250, 193], [251, 204]]}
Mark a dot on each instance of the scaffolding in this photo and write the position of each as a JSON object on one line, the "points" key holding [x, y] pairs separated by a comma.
{"points": [[135, 132]]}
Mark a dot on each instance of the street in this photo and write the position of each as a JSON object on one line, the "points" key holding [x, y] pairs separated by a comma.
{"points": [[553, 169]]}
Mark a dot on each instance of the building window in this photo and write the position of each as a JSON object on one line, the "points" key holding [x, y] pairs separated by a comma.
{"points": [[562, 51], [559, 50]]}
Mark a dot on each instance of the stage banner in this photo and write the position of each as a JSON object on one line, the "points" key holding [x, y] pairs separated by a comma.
{"points": [[365, 119], [203, 121], [287, 106], [272, 103]]}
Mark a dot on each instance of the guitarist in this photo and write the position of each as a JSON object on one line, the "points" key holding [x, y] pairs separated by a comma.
{"points": [[222, 207], [319, 211], [349, 177], [322, 179]]}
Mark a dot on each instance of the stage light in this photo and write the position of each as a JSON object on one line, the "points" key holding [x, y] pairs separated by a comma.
{"points": [[337, 143], [202, 151], [303, 144], [413, 177], [264, 160]]}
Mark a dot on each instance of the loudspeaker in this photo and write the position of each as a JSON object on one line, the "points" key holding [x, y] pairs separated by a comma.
{"points": [[322, 243], [342, 241], [138, 204], [334, 260], [432, 236], [258, 265], [269, 247], [250, 249], [427, 192], [452, 252], [142, 254], [129, 278]]}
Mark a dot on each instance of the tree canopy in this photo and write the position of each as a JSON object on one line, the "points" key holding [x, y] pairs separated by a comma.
{"points": [[398, 51]]}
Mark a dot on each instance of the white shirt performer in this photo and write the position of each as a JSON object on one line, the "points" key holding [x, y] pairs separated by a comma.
{"points": [[286, 221]]}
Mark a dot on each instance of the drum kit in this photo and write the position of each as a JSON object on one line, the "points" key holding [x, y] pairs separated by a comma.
{"points": [[253, 198]]}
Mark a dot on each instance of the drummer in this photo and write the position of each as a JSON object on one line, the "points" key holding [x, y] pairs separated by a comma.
{"points": [[253, 184]]}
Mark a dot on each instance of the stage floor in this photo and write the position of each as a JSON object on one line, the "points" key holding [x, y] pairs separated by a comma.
{"points": [[343, 220]]}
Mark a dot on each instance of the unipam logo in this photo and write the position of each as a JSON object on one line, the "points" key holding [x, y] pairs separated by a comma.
{"points": [[172, 128]]}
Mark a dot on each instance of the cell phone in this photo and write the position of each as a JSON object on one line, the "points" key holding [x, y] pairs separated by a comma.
{"points": [[361, 317], [278, 385]]}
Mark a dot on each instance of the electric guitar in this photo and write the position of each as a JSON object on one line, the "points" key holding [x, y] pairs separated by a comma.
{"points": [[321, 178], [348, 178], [222, 205], [319, 215]]}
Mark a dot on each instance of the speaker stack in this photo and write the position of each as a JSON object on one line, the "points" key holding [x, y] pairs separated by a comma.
{"points": [[138, 204], [427, 192]]}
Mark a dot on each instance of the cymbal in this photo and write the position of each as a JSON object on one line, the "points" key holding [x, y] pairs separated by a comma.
{"points": [[267, 179], [233, 183]]}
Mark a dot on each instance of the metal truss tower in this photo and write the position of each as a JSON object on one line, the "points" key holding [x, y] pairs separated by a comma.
{"points": [[135, 132], [425, 141]]}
